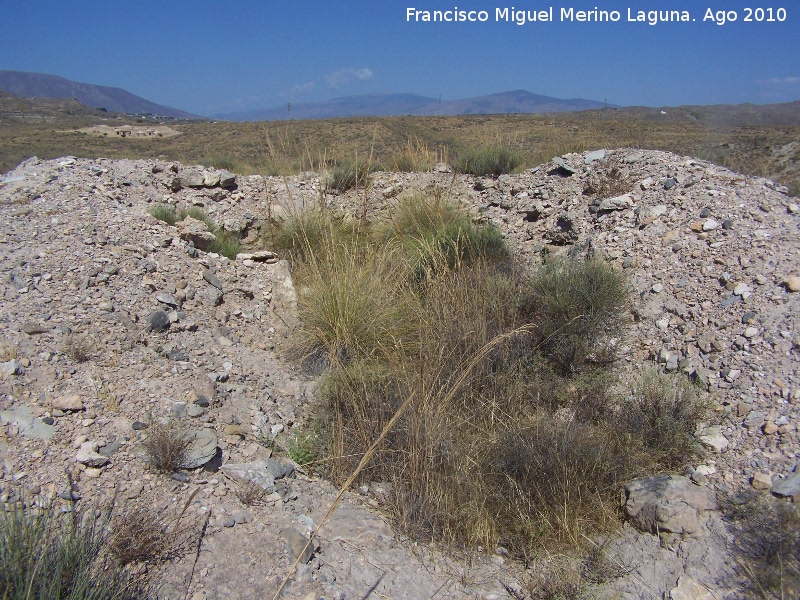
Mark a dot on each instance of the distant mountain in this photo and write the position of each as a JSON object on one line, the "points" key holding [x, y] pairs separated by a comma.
{"points": [[39, 85], [388, 105]]}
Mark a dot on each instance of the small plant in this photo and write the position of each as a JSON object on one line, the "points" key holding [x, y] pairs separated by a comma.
{"points": [[138, 536], [302, 449], [165, 213], [250, 494], [608, 183], [47, 554], [493, 160], [664, 411], [767, 547], [78, 348], [578, 306], [350, 174], [167, 447]]}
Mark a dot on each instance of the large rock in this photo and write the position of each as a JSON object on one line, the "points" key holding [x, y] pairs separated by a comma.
{"points": [[667, 504], [196, 232], [202, 448], [227, 179], [89, 456], [28, 425], [788, 487]]}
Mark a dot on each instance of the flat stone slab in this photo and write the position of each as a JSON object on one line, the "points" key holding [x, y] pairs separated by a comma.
{"points": [[28, 425]]}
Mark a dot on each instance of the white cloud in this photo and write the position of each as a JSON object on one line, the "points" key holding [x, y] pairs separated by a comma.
{"points": [[341, 77], [300, 88], [780, 81]]}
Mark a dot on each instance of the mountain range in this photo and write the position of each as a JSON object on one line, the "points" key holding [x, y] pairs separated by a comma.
{"points": [[387, 105], [40, 85]]}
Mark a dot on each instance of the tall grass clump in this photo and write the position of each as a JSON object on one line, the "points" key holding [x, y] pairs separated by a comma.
{"points": [[414, 156], [44, 554], [498, 384], [350, 174], [491, 160], [438, 232]]}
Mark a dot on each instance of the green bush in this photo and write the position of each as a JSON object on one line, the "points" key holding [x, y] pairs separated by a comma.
{"points": [[164, 212], [493, 160], [350, 174], [48, 555], [578, 307], [664, 411]]}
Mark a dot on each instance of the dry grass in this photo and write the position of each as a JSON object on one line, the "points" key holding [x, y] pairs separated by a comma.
{"points": [[414, 156], [79, 348], [767, 547], [250, 494], [167, 447], [478, 457]]}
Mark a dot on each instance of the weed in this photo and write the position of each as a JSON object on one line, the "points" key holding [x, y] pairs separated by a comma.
{"points": [[46, 554], [767, 546], [664, 411], [78, 348], [167, 447], [493, 160], [165, 213], [303, 449]]}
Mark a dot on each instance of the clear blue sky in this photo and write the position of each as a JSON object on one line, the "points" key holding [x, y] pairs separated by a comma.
{"points": [[209, 56]]}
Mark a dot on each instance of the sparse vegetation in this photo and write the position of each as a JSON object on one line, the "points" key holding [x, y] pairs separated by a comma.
{"points": [[608, 183], [512, 433], [227, 243], [47, 554], [414, 156], [492, 160], [767, 546], [77, 347], [250, 494], [167, 446]]}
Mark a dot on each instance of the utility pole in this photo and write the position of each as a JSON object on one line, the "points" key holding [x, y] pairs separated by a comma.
{"points": [[288, 111]]}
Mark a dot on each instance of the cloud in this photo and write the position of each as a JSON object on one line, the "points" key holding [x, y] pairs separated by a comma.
{"points": [[780, 81], [301, 88], [341, 77]]}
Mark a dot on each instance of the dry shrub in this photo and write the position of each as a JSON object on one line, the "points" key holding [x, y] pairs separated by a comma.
{"points": [[767, 546], [608, 182], [491, 160], [663, 412], [167, 447], [77, 347], [250, 494]]}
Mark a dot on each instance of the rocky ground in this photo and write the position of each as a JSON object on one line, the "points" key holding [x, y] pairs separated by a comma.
{"points": [[113, 322]]}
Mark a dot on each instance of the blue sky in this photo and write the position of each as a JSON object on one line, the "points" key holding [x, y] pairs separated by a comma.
{"points": [[209, 56]]}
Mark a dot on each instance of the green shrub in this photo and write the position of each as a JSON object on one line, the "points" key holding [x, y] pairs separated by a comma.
{"points": [[664, 411], [164, 212], [46, 554], [493, 160], [350, 174], [577, 306]]}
